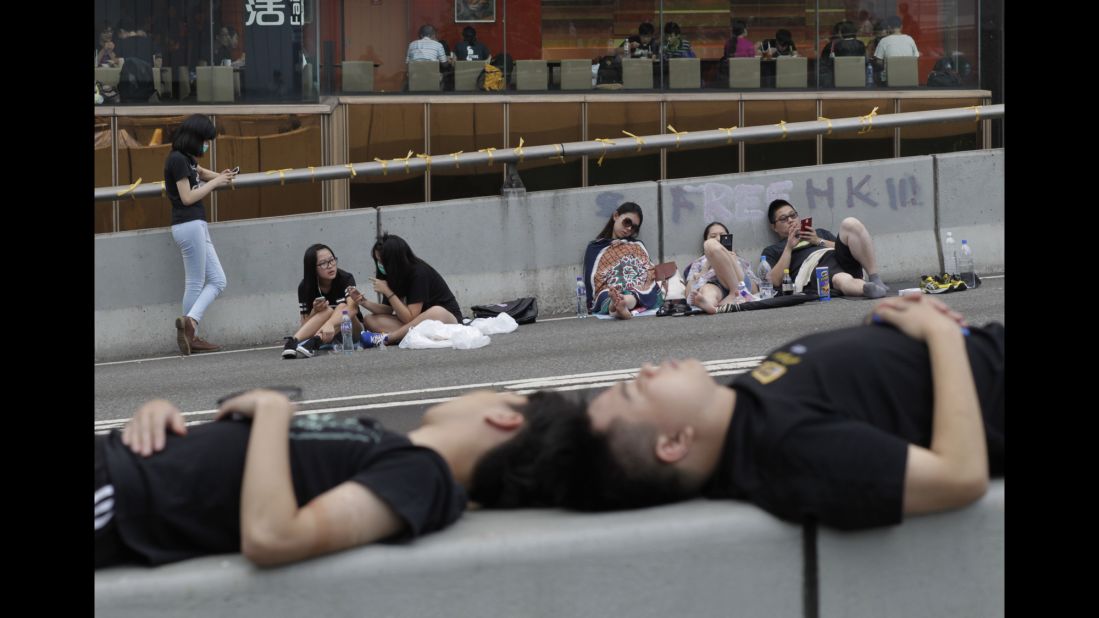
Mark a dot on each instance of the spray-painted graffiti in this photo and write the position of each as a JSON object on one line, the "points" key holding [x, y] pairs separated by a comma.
{"points": [[726, 203], [903, 192]]}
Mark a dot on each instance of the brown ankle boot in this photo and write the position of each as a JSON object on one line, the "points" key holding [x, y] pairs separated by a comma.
{"points": [[198, 344], [183, 340]]}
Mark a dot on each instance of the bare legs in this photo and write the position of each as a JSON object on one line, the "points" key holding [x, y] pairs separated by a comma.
{"points": [[622, 304], [396, 331], [854, 234]]}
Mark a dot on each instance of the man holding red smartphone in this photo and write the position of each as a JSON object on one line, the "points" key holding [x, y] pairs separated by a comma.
{"points": [[805, 248]]}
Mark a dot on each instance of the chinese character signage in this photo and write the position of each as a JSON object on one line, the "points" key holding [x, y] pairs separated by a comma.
{"points": [[273, 41]]}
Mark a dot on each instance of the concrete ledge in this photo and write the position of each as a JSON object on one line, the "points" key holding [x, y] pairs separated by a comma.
{"points": [[700, 558], [949, 564]]}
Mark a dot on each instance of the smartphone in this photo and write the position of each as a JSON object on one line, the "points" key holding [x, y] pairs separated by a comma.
{"points": [[320, 298], [235, 170], [807, 224], [726, 241], [665, 270]]}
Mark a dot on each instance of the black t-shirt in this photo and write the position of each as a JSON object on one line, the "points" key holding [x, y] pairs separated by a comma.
{"points": [[476, 51], [798, 255], [335, 294], [176, 166], [821, 428], [849, 47], [428, 287], [185, 501]]}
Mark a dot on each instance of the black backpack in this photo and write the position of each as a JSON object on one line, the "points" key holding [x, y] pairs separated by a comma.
{"points": [[135, 82], [523, 310], [943, 75]]}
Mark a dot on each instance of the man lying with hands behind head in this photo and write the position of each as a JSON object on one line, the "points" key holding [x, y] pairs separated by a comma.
{"points": [[854, 428]]}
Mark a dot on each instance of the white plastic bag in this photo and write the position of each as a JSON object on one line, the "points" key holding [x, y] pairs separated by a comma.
{"points": [[431, 334], [501, 323]]}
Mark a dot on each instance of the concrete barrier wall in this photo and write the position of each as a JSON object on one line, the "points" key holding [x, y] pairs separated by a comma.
{"points": [[894, 198], [700, 559], [971, 204], [497, 248], [139, 280]]}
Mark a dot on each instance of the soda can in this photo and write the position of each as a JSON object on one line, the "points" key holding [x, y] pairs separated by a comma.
{"points": [[824, 287]]}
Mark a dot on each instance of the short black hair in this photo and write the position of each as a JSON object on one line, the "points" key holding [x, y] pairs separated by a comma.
{"points": [[546, 464], [671, 28], [469, 33], [427, 30], [196, 129], [775, 205], [645, 28]]}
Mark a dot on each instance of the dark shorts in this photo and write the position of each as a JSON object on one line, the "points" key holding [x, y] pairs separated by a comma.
{"points": [[724, 290], [839, 260]]}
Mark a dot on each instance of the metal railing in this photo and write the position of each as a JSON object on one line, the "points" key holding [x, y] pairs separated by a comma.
{"points": [[600, 147]]}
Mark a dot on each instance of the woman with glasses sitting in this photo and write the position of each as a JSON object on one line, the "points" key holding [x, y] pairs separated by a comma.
{"points": [[713, 278], [413, 291], [322, 297], [618, 276]]}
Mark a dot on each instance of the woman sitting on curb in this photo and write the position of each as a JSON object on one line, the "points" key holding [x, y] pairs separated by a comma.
{"points": [[413, 291], [618, 275], [322, 298]]}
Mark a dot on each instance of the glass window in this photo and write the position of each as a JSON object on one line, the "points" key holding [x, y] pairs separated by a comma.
{"points": [[385, 131], [104, 174], [143, 144], [845, 147], [540, 124], [703, 116], [939, 137], [608, 120], [468, 128], [779, 153]]}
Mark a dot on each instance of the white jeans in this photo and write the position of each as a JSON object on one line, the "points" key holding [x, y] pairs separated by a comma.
{"points": [[203, 277]]}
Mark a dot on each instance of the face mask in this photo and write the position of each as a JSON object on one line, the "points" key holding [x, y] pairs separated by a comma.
{"points": [[381, 269], [205, 148]]}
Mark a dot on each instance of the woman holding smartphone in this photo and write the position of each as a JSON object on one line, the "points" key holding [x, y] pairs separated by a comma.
{"points": [[412, 292], [712, 279], [619, 278], [322, 298], [187, 183]]}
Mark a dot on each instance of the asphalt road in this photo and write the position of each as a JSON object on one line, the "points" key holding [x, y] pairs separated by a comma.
{"points": [[395, 385]]}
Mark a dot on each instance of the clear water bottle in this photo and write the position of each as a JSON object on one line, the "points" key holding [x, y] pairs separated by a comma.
{"points": [[787, 283], [966, 270], [869, 73], [950, 254], [766, 288], [581, 298], [743, 293], [348, 343]]}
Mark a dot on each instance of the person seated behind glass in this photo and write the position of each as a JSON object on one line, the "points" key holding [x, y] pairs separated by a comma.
{"points": [[640, 45], [426, 48], [894, 43], [848, 45], [675, 46], [739, 46], [781, 45], [469, 48], [104, 47]]}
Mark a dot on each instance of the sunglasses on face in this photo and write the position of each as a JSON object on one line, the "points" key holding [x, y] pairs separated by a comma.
{"points": [[629, 224]]}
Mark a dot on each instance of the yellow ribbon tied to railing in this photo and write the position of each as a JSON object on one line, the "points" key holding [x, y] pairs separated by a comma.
{"points": [[313, 173], [605, 142], [560, 153], [640, 142], [782, 125], [130, 188], [164, 190], [489, 152], [427, 160], [823, 119], [729, 132], [405, 159], [457, 164], [519, 150], [385, 167], [977, 110], [281, 173], [677, 134], [868, 120]]}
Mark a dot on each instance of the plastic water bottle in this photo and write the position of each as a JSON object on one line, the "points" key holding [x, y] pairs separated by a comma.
{"points": [[348, 344], [965, 266], [787, 283], [743, 293], [869, 73], [950, 252], [766, 289], [581, 298]]}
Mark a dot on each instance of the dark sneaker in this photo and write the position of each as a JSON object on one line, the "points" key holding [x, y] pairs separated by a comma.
{"points": [[182, 340], [373, 340], [308, 348], [198, 344], [290, 350]]}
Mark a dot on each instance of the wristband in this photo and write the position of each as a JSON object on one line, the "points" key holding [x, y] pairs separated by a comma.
{"points": [[390, 296]]}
